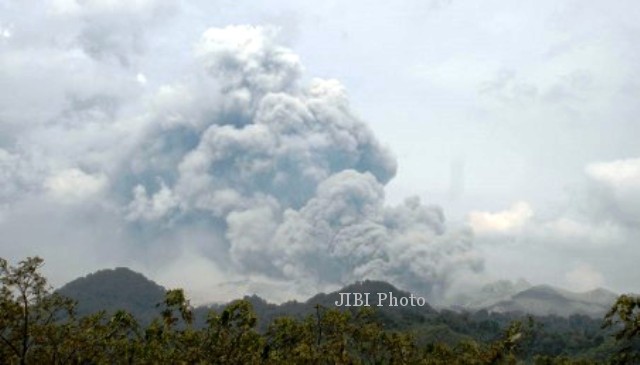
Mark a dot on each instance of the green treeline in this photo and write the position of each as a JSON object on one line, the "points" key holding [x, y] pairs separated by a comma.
{"points": [[41, 327]]}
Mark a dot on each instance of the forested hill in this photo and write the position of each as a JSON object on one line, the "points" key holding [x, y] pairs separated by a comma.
{"points": [[394, 317], [122, 288], [40, 327], [571, 335], [115, 289]]}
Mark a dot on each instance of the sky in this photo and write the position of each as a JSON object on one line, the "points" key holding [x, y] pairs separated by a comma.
{"points": [[234, 147]]}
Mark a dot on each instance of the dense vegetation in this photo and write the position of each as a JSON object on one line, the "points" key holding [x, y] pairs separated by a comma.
{"points": [[41, 327]]}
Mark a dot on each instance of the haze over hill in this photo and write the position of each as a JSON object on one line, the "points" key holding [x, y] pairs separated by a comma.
{"points": [[252, 331], [123, 288], [522, 297], [546, 300], [565, 333]]}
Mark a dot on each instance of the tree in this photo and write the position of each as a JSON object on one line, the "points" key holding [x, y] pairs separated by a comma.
{"points": [[41, 327], [624, 316], [28, 311], [231, 338]]}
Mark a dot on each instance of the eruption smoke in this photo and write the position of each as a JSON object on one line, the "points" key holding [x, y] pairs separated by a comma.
{"points": [[292, 179], [244, 167]]}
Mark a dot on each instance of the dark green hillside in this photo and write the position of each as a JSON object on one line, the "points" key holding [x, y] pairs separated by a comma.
{"points": [[391, 317], [38, 327], [115, 289], [569, 335]]}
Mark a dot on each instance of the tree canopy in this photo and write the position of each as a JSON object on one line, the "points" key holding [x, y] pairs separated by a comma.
{"points": [[38, 326]]}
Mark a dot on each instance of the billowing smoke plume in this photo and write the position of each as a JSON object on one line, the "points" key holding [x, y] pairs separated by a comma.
{"points": [[248, 169], [290, 177]]}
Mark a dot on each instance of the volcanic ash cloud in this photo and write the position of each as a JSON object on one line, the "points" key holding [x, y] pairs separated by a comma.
{"points": [[292, 179], [255, 170]]}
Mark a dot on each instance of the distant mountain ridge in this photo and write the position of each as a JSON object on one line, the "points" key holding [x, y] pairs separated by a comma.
{"points": [[505, 296], [122, 288], [543, 300], [489, 294], [573, 334], [392, 316]]}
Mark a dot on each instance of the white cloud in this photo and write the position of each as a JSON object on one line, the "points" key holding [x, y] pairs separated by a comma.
{"points": [[601, 219], [248, 57], [143, 207], [579, 234], [112, 30], [615, 192], [5, 32], [101, 7], [583, 278], [74, 184], [141, 78], [507, 221], [619, 174]]}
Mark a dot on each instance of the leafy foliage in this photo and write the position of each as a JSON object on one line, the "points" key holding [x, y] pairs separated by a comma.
{"points": [[41, 327], [624, 316]]}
